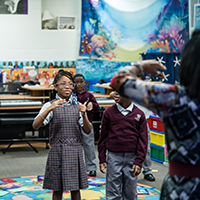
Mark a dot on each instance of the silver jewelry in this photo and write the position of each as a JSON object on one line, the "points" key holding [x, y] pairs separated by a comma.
{"points": [[137, 64], [42, 117]]}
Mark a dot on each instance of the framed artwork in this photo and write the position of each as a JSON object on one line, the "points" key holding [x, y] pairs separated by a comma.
{"points": [[32, 74], [24, 77], [13, 6], [16, 75]]}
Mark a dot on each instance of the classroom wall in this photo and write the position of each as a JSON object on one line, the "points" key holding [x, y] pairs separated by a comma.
{"points": [[22, 37]]}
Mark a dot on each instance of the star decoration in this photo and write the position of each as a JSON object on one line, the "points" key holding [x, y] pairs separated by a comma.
{"points": [[176, 62], [165, 78], [110, 55], [160, 60]]}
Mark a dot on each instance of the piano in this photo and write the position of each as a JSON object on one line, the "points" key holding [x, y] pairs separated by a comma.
{"points": [[24, 102], [17, 112], [15, 123]]}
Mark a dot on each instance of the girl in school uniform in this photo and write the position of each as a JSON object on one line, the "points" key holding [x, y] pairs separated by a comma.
{"points": [[65, 168]]}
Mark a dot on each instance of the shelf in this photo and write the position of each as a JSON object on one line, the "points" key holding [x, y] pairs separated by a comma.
{"points": [[66, 21]]}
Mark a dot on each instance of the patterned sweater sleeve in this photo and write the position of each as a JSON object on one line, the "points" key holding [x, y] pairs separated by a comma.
{"points": [[158, 97]]}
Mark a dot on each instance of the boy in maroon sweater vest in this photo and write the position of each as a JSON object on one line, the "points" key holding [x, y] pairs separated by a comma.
{"points": [[124, 134]]}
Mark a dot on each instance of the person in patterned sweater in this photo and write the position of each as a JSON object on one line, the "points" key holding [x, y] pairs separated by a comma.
{"points": [[179, 107], [65, 168]]}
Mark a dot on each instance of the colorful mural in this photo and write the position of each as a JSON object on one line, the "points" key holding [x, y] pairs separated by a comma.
{"points": [[94, 70], [121, 30]]}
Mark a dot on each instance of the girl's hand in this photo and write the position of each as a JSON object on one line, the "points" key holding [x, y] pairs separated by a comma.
{"points": [[82, 108], [57, 104], [89, 106]]}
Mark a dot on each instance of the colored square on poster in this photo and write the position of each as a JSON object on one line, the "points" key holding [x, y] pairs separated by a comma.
{"points": [[6, 186], [96, 181], [142, 191]]}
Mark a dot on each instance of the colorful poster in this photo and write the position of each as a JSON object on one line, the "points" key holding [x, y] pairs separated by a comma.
{"points": [[13, 6], [120, 30]]}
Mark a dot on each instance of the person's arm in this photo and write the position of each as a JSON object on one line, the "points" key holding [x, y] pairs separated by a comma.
{"points": [[142, 144], [158, 97], [102, 141]]}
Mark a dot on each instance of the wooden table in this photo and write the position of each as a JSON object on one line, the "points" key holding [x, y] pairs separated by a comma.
{"points": [[107, 88], [39, 90], [99, 95]]}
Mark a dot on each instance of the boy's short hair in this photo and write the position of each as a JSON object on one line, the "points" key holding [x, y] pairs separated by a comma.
{"points": [[79, 75]]}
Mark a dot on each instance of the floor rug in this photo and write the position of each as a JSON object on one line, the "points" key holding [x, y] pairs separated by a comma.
{"points": [[30, 188]]}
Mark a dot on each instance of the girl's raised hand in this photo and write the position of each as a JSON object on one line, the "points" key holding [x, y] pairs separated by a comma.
{"points": [[82, 108], [57, 104], [89, 106]]}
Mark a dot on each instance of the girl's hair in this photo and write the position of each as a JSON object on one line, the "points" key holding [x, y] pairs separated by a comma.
{"points": [[79, 75], [190, 65], [61, 73]]}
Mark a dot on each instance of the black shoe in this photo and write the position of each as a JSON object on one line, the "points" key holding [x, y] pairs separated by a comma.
{"points": [[149, 177], [92, 173]]}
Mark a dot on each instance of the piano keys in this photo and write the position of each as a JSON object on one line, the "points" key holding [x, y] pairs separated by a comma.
{"points": [[24, 102]]}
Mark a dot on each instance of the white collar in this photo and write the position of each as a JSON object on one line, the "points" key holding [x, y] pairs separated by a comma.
{"points": [[121, 109], [70, 100]]}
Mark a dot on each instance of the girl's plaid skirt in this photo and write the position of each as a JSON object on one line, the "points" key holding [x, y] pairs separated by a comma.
{"points": [[65, 169]]}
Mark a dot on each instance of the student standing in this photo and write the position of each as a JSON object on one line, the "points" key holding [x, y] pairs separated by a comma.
{"points": [[65, 169], [92, 106], [124, 135], [146, 165]]}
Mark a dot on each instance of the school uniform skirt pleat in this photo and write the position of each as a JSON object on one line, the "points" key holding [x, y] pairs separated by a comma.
{"points": [[65, 169]]}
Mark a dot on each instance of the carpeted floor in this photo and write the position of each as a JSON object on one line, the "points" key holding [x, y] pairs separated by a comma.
{"points": [[30, 188]]}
